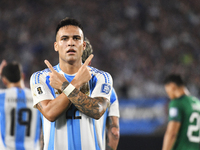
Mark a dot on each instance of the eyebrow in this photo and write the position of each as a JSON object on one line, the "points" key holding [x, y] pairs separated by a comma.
{"points": [[69, 36]]}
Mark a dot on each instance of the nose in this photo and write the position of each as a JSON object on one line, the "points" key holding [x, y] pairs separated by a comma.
{"points": [[71, 42]]}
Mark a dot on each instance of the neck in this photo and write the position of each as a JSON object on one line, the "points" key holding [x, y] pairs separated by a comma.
{"points": [[182, 91], [19, 84], [70, 68]]}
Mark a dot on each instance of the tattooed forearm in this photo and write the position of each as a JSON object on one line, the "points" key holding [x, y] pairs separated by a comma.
{"points": [[112, 126], [64, 85], [39, 106], [112, 132], [92, 107]]}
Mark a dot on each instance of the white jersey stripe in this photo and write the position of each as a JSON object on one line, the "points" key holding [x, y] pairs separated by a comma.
{"points": [[105, 115], [61, 140], [95, 136], [86, 130], [69, 133]]}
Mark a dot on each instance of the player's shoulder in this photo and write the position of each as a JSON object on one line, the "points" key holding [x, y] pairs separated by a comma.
{"points": [[40, 75], [101, 74], [37, 76], [2, 91]]}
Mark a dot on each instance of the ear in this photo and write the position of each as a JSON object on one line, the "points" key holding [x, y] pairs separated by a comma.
{"points": [[84, 45], [56, 46], [23, 76], [5, 81]]}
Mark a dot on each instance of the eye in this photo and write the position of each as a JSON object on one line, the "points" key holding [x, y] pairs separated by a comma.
{"points": [[77, 37], [64, 39]]}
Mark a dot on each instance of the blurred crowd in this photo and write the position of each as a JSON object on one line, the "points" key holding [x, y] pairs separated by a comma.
{"points": [[138, 42]]}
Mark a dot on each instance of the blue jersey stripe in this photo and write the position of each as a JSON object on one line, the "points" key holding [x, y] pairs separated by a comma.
{"points": [[106, 76], [48, 84], [76, 132], [36, 77], [3, 120], [95, 136], [38, 127], [113, 96], [52, 135], [92, 83], [21, 129]]}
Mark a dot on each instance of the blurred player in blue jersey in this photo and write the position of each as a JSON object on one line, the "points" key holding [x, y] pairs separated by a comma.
{"points": [[71, 118], [19, 122], [111, 116]]}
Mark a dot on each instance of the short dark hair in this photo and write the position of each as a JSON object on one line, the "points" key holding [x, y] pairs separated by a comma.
{"points": [[175, 78], [68, 21], [88, 50], [12, 71]]}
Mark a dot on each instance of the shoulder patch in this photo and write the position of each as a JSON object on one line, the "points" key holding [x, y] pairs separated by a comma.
{"points": [[39, 90], [105, 88], [173, 112]]}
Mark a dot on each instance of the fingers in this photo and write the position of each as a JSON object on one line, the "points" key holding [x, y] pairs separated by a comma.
{"points": [[2, 65], [49, 65], [88, 60]]}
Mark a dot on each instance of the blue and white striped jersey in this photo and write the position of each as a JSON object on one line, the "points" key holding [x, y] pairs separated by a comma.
{"points": [[73, 130], [19, 121]]}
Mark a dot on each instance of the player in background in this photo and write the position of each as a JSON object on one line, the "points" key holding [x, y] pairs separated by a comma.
{"points": [[111, 116], [71, 118], [19, 121], [183, 129]]}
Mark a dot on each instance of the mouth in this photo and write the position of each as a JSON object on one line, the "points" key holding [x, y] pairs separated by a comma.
{"points": [[71, 51]]}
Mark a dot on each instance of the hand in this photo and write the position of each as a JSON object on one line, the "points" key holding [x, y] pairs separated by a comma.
{"points": [[83, 75], [2, 65], [56, 79]]}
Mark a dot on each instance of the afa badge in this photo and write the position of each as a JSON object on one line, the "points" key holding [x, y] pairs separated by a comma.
{"points": [[105, 88], [39, 90]]}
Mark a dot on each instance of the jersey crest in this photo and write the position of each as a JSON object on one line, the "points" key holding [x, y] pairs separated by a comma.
{"points": [[105, 88]]}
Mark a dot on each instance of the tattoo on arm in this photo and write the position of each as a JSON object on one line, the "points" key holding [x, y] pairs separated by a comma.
{"points": [[110, 124], [112, 139], [92, 107], [64, 85], [39, 106]]}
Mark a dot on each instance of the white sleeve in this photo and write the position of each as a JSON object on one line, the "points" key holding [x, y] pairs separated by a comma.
{"points": [[114, 109], [114, 106], [39, 88], [103, 86]]}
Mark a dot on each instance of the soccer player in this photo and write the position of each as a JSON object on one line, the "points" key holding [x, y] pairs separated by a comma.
{"points": [[183, 129], [19, 121], [111, 116], [71, 118]]}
